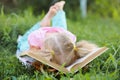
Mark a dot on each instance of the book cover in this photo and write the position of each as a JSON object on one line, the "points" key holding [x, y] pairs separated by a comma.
{"points": [[79, 63]]}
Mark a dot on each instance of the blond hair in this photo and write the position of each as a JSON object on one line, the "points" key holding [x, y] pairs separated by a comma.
{"points": [[84, 47], [63, 51], [61, 47]]}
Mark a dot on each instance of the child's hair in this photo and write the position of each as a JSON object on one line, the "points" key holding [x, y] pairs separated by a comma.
{"points": [[84, 47], [64, 51], [61, 47]]}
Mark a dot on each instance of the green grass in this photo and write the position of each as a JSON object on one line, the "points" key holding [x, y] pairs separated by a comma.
{"points": [[103, 32]]}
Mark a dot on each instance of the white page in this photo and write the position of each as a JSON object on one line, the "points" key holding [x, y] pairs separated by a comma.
{"points": [[82, 59]]}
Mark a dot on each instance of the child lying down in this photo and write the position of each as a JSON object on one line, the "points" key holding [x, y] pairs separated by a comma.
{"points": [[56, 43]]}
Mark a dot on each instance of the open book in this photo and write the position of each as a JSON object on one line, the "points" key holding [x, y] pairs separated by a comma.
{"points": [[81, 62]]}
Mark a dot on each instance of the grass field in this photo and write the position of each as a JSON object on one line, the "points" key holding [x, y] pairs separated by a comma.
{"points": [[103, 32]]}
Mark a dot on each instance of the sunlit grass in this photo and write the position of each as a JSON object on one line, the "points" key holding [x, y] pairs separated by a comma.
{"points": [[103, 32]]}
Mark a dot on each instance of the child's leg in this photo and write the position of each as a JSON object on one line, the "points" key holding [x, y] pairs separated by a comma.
{"points": [[59, 20], [23, 42], [52, 12]]}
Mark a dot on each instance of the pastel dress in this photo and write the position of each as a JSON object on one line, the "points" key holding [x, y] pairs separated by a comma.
{"points": [[31, 36]]}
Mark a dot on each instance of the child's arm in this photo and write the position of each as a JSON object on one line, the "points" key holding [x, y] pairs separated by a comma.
{"points": [[34, 48]]}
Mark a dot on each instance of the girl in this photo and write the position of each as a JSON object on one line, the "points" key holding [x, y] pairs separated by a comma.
{"points": [[56, 43]]}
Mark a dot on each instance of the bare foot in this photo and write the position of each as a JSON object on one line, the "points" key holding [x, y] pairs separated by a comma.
{"points": [[52, 11], [46, 20], [55, 8], [60, 5]]}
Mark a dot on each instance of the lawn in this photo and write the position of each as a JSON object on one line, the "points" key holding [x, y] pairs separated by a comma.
{"points": [[102, 31]]}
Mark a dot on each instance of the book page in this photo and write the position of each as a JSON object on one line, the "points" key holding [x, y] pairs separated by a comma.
{"points": [[80, 60]]}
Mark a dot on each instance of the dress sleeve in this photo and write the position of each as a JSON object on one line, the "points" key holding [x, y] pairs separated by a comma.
{"points": [[35, 39]]}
